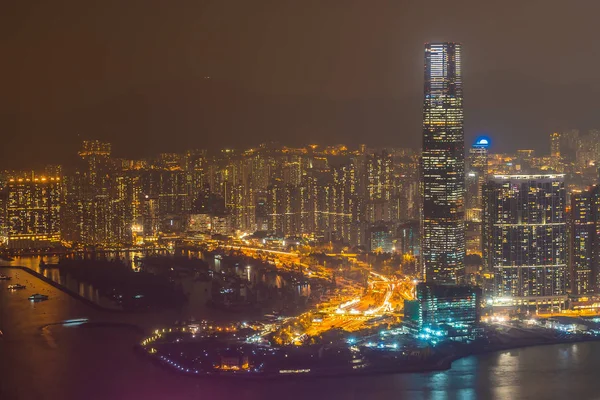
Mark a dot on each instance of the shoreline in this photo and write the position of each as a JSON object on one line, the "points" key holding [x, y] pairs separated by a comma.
{"points": [[443, 364]]}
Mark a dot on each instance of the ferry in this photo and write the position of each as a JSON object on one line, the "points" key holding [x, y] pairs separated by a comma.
{"points": [[15, 287], [4, 278], [38, 297]]}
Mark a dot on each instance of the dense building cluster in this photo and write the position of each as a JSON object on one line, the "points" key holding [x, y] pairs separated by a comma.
{"points": [[541, 220], [365, 197], [524, 227], [535, 221]]}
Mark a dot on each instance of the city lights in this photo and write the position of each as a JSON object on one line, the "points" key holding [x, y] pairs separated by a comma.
{"points": [[315, 260], [443, 165]]}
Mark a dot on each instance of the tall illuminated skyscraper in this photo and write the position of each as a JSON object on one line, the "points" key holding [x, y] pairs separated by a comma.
{"points": [[443, 165]]}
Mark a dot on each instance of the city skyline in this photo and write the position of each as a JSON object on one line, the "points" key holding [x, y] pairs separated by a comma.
{"points": [[199, 196], [71, 160]]}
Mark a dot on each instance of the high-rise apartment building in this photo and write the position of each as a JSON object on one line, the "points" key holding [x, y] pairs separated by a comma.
{"points": [[569, 144], [555, 144], [443, 165], [378, 178], [525, 230], [33, 211], [584, 240], [588, 149]]}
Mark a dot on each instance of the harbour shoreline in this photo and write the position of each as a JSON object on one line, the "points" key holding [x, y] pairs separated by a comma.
{"points": [[442, 364]]}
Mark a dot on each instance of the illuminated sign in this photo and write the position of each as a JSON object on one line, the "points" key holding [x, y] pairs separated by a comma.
{"points": [[483, 142]]}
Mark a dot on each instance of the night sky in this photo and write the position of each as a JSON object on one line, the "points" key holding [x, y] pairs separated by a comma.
{"points": [[157, 76]]}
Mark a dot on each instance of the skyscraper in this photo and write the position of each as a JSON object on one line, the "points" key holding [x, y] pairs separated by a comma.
{"points": [[478, 154], [525, 234], [555, 144], [474, 180], [378, 186], [33, 211], [443, 165], [569, 144]]}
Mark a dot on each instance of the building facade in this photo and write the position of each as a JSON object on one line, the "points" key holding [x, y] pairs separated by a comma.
{"points": [[33, 212], [474, 180], [525, 231], [584, 241], [443, 165], [555, 144], [444, 310]]}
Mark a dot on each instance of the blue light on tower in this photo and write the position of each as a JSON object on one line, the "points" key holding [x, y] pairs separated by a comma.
{"points": [[482, 142]]}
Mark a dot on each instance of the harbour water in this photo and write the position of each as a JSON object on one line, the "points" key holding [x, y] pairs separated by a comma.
{"points": [[90, 292], [42, 358], [84, 289]]}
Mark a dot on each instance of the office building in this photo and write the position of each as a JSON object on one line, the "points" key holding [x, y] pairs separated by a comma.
{"points": [[444, 311], [474, 180], [443, 165]]}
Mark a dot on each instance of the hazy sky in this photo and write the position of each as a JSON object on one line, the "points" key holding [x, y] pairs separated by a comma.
{"points": [[157, 76]]}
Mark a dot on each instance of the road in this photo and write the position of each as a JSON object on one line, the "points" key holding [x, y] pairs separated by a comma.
{"points": [[351, 309]]}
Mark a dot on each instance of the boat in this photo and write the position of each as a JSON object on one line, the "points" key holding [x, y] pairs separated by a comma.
{"points": [[15, 287], [5, 278], [6, 258], [38, 297]]}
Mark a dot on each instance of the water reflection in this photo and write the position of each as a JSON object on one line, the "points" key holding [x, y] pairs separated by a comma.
{"points": [[252, 274], [130, 258], [439, 384], [249, 273], [84, 289]]}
